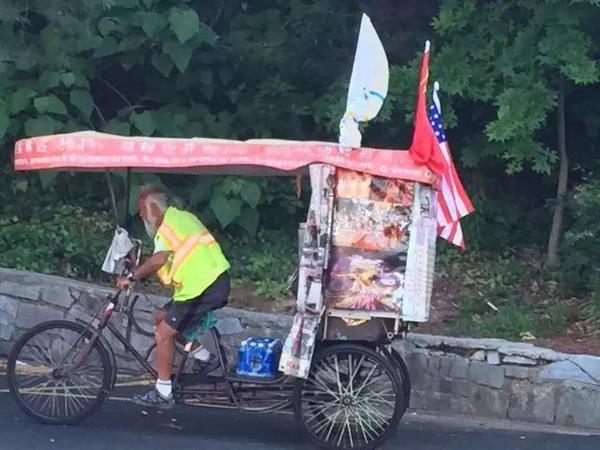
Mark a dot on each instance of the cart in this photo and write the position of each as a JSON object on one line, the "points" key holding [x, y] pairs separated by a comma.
{"points": [[339, 372]]}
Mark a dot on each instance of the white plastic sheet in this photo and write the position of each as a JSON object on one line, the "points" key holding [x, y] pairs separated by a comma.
{"points": [[368, 84]]}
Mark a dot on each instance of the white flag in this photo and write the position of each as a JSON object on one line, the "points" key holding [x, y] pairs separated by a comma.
{"points": [[368, 84]]}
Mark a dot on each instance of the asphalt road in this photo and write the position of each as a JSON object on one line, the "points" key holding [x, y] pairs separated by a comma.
{"points": [[122, 425]]}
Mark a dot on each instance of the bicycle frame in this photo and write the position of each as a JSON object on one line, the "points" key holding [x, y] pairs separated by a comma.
{"points": [[226, 391]]}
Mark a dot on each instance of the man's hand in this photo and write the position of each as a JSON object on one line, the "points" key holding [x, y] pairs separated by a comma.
{"points": [[123, 283], [150, 266]]}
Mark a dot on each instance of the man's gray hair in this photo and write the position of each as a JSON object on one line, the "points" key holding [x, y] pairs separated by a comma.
{"points": [[152, 195]]}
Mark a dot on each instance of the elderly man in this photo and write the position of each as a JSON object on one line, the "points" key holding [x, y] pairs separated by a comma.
{"points": [[187, 257]]}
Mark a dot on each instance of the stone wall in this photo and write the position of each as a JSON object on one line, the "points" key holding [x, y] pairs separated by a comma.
{"points": [[27, 299], [503, 380], [476, 377]]}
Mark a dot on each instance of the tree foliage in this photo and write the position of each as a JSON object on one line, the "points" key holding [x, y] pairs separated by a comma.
{"points": [[509, 55], [238, 69]]}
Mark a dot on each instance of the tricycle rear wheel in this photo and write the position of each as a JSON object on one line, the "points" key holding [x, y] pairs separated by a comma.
{"points": [[353, 398]]}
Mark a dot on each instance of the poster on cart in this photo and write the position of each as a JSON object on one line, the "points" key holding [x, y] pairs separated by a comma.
{"points": [[299, 346], [371, 230]]}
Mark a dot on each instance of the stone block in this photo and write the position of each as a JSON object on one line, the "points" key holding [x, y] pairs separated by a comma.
{"points": [[529, 351], [590, 365], [479, 355], [544, 403], [404, 348], [424, 340], [8, 314], [485, 374], [430, 341], [519, 360], [462, 405], [490, 402], [520, 403], [20, 290], [566, 370], [492, 357], [418, 363], [579, 407], [31, 314], [463, 388], [426, 382], [57, 295], [519, 372], [5, 347], [446, 386], [8, 307], [444, 365], [6, 330], [433, 364], [140, 342], [77, 313], [453, 366], [438, 401], [460, 368], [89, 301], [419, 399]]}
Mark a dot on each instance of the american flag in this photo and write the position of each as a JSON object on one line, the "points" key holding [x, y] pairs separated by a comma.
{"points": [[452, 200]]}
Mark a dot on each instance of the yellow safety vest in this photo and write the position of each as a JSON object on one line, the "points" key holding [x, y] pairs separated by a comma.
{"points": [[197, 259]]}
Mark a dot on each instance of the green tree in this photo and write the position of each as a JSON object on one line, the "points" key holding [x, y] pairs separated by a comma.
{"points": [[210, 68], [525, 58]]}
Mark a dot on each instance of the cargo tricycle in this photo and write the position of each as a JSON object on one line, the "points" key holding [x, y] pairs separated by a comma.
{"points": [[364, 276]]}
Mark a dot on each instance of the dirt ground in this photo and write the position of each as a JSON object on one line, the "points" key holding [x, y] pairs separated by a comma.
{"points": [[578, 338]]}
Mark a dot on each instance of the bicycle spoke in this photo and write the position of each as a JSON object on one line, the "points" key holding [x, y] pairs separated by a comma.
{"points": [[333, 421], [55, 391], [364, 430], [349, 399]]}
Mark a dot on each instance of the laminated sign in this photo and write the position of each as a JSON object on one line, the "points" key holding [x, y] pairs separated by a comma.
{"points": [[299, 346], [372, 226]]}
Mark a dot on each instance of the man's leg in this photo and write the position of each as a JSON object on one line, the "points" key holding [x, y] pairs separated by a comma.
{"points": [[160, 315], [166, 320], [165, 350]]}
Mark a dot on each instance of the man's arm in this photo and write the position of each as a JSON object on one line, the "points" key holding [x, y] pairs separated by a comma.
{"points": [[151, 265], [148, 267]]}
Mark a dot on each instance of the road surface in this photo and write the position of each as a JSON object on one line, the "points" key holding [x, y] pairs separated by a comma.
{"points": [[122, 425]]}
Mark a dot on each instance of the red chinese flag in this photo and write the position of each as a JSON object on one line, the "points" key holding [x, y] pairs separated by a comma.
{"points": [[425, 149]]}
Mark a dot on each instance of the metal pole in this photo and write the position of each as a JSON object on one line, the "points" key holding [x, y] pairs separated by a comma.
{"points": [[127, 197], [112, 196]]}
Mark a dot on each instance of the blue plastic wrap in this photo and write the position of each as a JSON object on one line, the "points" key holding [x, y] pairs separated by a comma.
{"points": [[259, 357]]}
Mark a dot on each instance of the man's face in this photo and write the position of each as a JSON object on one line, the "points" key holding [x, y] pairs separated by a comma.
{"points": [[149, 217]]}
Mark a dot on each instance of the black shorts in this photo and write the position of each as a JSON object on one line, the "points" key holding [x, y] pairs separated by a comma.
{"points": [[189, 313]]}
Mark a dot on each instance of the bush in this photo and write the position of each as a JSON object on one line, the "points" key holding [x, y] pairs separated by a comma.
{"points": [[63, 240], [581, 249], [515, 319], [267, 261], [512, 321]]}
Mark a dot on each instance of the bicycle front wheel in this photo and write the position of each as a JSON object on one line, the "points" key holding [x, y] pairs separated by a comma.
{"points": [[56, 375]]}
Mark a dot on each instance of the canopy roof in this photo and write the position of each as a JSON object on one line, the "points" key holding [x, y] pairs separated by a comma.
{"points": [[92, 151]]}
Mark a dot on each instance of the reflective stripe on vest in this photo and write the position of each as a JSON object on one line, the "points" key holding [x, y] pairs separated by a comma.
{"points": [[169, 235], [182, 250]]}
